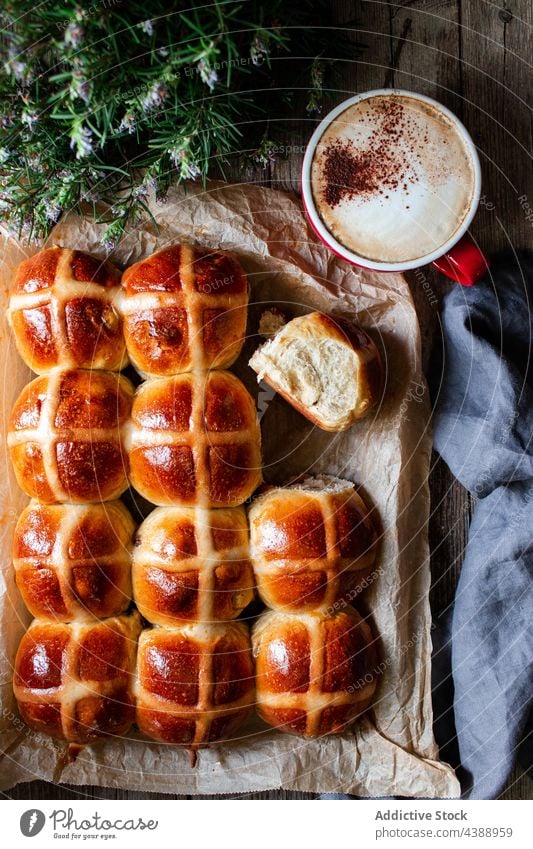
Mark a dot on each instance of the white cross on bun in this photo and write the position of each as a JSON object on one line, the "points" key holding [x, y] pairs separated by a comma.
{"points": [[315, 674], [191, 564], [312, 544], [74, 681], [195, 683], [184, 308], [64, 312], [73, 561], [194, 440]]}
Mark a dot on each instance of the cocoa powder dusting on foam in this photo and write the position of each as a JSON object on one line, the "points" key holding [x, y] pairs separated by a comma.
{"points": [[383, 164]]}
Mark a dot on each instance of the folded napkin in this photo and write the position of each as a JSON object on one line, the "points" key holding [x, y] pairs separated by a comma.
{"points": [[483, 429]]}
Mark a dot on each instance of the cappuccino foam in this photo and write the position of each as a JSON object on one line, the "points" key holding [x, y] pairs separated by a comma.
{"points": [[392, 178]]}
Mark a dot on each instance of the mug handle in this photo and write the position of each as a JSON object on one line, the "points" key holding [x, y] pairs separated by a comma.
{"points": [[464, 263]]}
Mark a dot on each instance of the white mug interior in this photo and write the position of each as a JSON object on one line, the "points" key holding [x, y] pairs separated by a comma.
{"points": [[325, 234]]}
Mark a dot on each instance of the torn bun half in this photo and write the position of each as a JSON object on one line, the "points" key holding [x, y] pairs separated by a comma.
{"points": [[329, 370]]}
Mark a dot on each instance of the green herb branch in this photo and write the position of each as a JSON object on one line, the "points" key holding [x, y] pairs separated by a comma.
{"points": [[102, 102]]}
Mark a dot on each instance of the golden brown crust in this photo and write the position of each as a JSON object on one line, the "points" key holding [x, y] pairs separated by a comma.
{"points": [[311, 549], [64, 314], [74, 561], [315, 674], [191, 564], [195, 684], [370, 374], [195, 440], [74, 681], [184, 308], [65, 437]]}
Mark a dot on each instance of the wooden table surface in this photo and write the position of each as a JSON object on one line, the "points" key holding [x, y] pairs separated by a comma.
{"points": [[475, 57]]}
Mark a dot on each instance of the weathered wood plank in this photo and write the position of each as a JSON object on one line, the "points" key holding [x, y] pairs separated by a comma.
{"points": [[496, 55], [448, 533], [496, 60], [471, 55], [518, 787], [45, 790]]}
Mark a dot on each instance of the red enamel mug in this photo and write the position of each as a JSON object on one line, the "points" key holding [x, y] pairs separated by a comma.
{"points": [[459, 258]]}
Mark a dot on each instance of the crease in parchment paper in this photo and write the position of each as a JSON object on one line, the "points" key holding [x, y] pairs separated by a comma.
{"points": [[392, 751]]}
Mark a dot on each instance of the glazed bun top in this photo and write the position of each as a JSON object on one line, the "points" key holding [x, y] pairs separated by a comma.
{"points": [[74, 681], [64, 312], [312, 543], [65, 436], [194, 439], [184, 308], [73, 561], [315, 674]]}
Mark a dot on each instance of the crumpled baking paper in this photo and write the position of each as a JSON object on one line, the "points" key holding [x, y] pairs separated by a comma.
{"points": [[392, 751]]}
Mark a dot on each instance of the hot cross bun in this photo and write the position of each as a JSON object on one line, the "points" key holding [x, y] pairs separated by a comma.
{"points": [[184, 308], [195, 684], [74, 681], [65, 437], [315, 674], [73, 561], [328, 369], [312, 544], [63, 312], [194, 440], [192, 564]]}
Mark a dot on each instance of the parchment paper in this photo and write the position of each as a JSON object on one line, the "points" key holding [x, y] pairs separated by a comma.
{"points": [[392, 752]]}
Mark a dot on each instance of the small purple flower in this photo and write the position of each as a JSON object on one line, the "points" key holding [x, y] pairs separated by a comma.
{"points": [[81, 141], [157, 94], [258, 51], [127, 123], [18, 69], [53, 212], [30, 118], [190, 171], [80, 87], [74, 34], [265, 153], [147, 27], [140, 192], [208, 74], [182, 160], [113, 233]]}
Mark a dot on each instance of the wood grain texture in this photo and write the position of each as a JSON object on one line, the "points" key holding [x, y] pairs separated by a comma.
{"points": [[472, 55], [496, 57]]}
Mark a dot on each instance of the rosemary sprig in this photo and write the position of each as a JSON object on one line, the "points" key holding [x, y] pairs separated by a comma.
{"points": [[100, 102]]}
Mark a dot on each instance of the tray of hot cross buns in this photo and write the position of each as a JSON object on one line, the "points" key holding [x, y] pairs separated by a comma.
{"points": [[214, 509]]}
